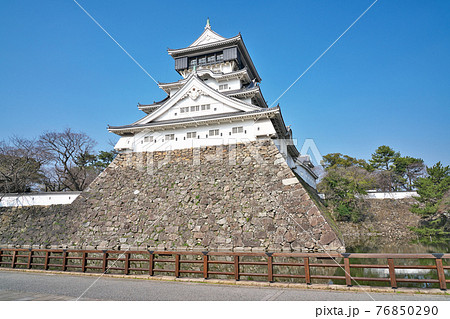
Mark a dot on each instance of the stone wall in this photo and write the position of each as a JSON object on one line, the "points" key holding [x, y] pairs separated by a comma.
{"points": [[385, 226], [231, 197]]}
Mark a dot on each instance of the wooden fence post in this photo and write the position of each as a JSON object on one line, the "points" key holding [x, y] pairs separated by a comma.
{"points": [[47, 255], [30, 258], [151, 263], [83, 261], [177, 265], [127, 263], [269, 267], [105, 262], [392, 273], [441, 274], [64, 260], [205, 264], [13, 261], [236, 267], [348, 278], [307, 271], [1, 252]]}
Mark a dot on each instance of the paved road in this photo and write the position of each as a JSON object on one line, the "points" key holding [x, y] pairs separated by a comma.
{"points": [[38, 286]]}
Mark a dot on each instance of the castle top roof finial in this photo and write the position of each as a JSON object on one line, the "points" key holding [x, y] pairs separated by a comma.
{"points": [[208, 25]]}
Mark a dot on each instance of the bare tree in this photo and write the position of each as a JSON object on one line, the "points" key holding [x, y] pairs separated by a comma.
{"points": [[70, 155], [385, 180], [20, 165]]}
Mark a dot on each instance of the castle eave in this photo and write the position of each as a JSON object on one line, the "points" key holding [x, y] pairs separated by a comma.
{"points": [[196, 121], [307, 168], [177, 52], [152, 106], [248, 93], [239, 74]]}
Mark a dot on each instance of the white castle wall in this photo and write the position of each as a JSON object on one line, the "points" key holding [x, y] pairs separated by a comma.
{"points": [[38, 199], [389, 195], [175, 113], [251, 131], [384, 195]]}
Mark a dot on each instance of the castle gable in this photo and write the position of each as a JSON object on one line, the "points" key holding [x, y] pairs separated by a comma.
{"points": [[208, 36], [195, 99]]}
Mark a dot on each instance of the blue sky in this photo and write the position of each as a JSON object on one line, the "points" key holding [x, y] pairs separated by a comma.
{"points": [[387, 81]]}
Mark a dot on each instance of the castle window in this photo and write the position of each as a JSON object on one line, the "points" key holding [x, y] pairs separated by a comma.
{"points": [[219, 57], [206, 107], [236, 130], [214, 132], [202, 60], [194, 61], [170, 137], [184, 109], [223, 87], [195, 108], [211, 58], [191, 134]]}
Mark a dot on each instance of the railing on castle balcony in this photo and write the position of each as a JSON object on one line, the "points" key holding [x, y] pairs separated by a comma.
{"points": [[298, 267]]}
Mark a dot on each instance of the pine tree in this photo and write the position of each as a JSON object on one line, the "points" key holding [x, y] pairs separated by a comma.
{"points": [[433, 206]]}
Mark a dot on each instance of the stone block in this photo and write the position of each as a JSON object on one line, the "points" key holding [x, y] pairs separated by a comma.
{"points": [[290, 181], [327, 238], [279, 161]]}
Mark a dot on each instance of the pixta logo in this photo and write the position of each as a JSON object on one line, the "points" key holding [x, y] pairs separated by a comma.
{"points": [[310, 148]]}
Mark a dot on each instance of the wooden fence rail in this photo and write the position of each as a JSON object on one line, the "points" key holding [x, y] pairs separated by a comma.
{"points": [[300, 265]]}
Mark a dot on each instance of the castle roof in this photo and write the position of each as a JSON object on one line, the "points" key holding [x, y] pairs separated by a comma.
{"points": [[209, 41], [201, 120], [241, 74], [250, 90]]}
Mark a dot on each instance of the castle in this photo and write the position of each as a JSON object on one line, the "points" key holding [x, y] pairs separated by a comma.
{"points": [[217, 102], [210, 167]]}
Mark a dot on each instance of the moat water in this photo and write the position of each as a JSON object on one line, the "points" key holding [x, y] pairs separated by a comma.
{"points": [[406, 248]]}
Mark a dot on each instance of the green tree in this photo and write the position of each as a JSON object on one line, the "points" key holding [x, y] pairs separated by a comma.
{"points": [[383, 158], [408, 169], [434, 198], [334, 160], [104, 158], [383, 162], [431, 189], [343, 188]]}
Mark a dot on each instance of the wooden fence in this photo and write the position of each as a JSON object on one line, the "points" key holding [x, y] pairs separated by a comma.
{"points": [[299, 266]]}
